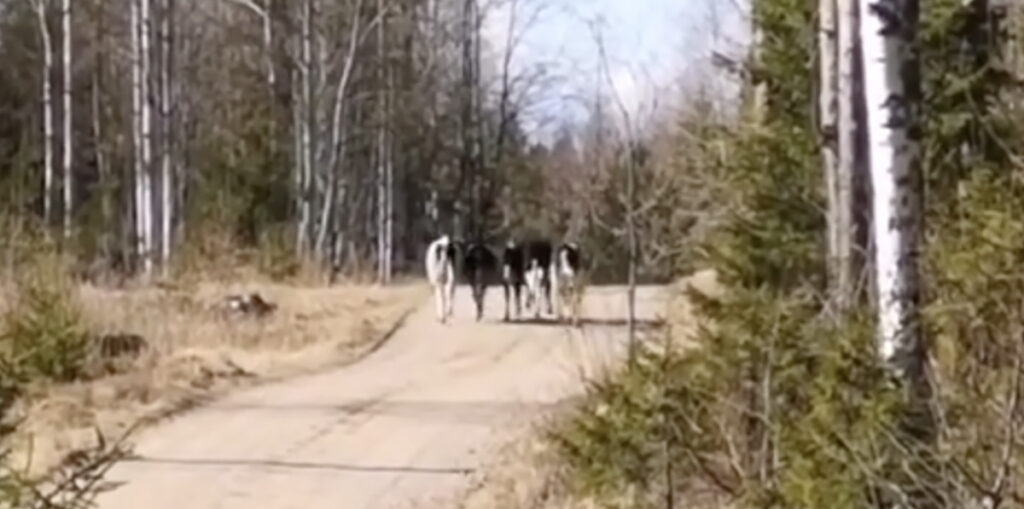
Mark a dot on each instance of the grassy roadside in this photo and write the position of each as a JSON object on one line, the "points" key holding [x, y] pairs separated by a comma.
{"points": [[529, 472], [193, 353]]}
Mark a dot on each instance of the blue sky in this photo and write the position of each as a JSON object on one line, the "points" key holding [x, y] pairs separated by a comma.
{"points": [[651, 45]]}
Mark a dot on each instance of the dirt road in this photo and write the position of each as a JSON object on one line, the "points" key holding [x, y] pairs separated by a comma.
{"points": [[401, 428]]}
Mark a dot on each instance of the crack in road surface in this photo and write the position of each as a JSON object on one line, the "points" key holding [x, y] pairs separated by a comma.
{"points": [[404, 426]]}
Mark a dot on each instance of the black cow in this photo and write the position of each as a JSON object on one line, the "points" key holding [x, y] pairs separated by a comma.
{"points": [[479, 267], [539, 258], [513, 275]]}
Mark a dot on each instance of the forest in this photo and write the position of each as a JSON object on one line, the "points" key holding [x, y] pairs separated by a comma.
{"points": [[335, 137], [860, 209], [865, 349]]}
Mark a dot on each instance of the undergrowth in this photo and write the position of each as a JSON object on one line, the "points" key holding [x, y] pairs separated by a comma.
{"points": [[43, 339], [782, 404]]}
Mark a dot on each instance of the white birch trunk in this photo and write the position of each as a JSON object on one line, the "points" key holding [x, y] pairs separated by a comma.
{"points": [[268, 48], [306, 132], [759, 99], [47, 93], [891, 94], [389, 185], [166, 167], [827, 116], [69, 181], [139, 196], [848, 146], [297, 154], [338, 133], [381, 140], [145, 20]]}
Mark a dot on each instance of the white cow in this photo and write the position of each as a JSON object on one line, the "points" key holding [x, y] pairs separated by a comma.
{"points": [[569, 280], [539, 274], [440, 261]]}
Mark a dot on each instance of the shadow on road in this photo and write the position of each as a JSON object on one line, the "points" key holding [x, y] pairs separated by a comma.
{"points": [[464, 412], [299, 465], [641, 324]]}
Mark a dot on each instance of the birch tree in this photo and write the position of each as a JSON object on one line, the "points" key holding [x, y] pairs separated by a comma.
{"points": [[166, 133], [136, 76], [145, 38], [140, 28], [850, 159], [892, 95], [304, 119], [336, 188], [382, 149], [267, 34], [98, 133], [827, 116], [67, 151], [47, 100]]}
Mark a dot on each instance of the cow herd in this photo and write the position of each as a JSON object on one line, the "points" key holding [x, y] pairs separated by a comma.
{"points": [[549, 273]]}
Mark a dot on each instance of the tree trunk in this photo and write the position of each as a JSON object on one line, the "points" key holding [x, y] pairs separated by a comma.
{"points": [[298, 156], [389, 180], [381, 151], [849, 248], [166, 133], [306, 130], [103, 168], [145, 22], [758, 91], [827, 116], [48, 134], [140, 233], [339, 131], [268, 56], [892, 96], [67, 154]]}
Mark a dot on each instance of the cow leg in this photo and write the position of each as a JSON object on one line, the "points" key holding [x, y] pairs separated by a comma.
{"points": [[480, 307], [439, 301], [577, 301], [555, 306], [531, 290], [451, 298], [547, 294], [519, 309], [504, 287], [478, 299], [538, 290]]}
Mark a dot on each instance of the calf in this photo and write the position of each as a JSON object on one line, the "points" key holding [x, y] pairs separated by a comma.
{"points": [[538, 274], [513, 275], [440, 261], [569, 279], [479, 266]]}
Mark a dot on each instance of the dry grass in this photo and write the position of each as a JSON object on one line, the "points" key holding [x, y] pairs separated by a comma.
{"points": [[196, 353], [527, 472], [524, 474]]}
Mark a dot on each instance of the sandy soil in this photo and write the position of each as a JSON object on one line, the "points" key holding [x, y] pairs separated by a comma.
{"points": [[405, 427]]}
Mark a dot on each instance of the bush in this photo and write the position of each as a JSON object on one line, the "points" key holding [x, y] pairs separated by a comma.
{"points": [[777, 408], [42, 335], [781, 407]]}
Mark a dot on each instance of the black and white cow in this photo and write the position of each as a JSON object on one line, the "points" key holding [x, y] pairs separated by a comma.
{"points": [[479, 266], [539, 258], [440, 262], [569, 279], [513, 275]]}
